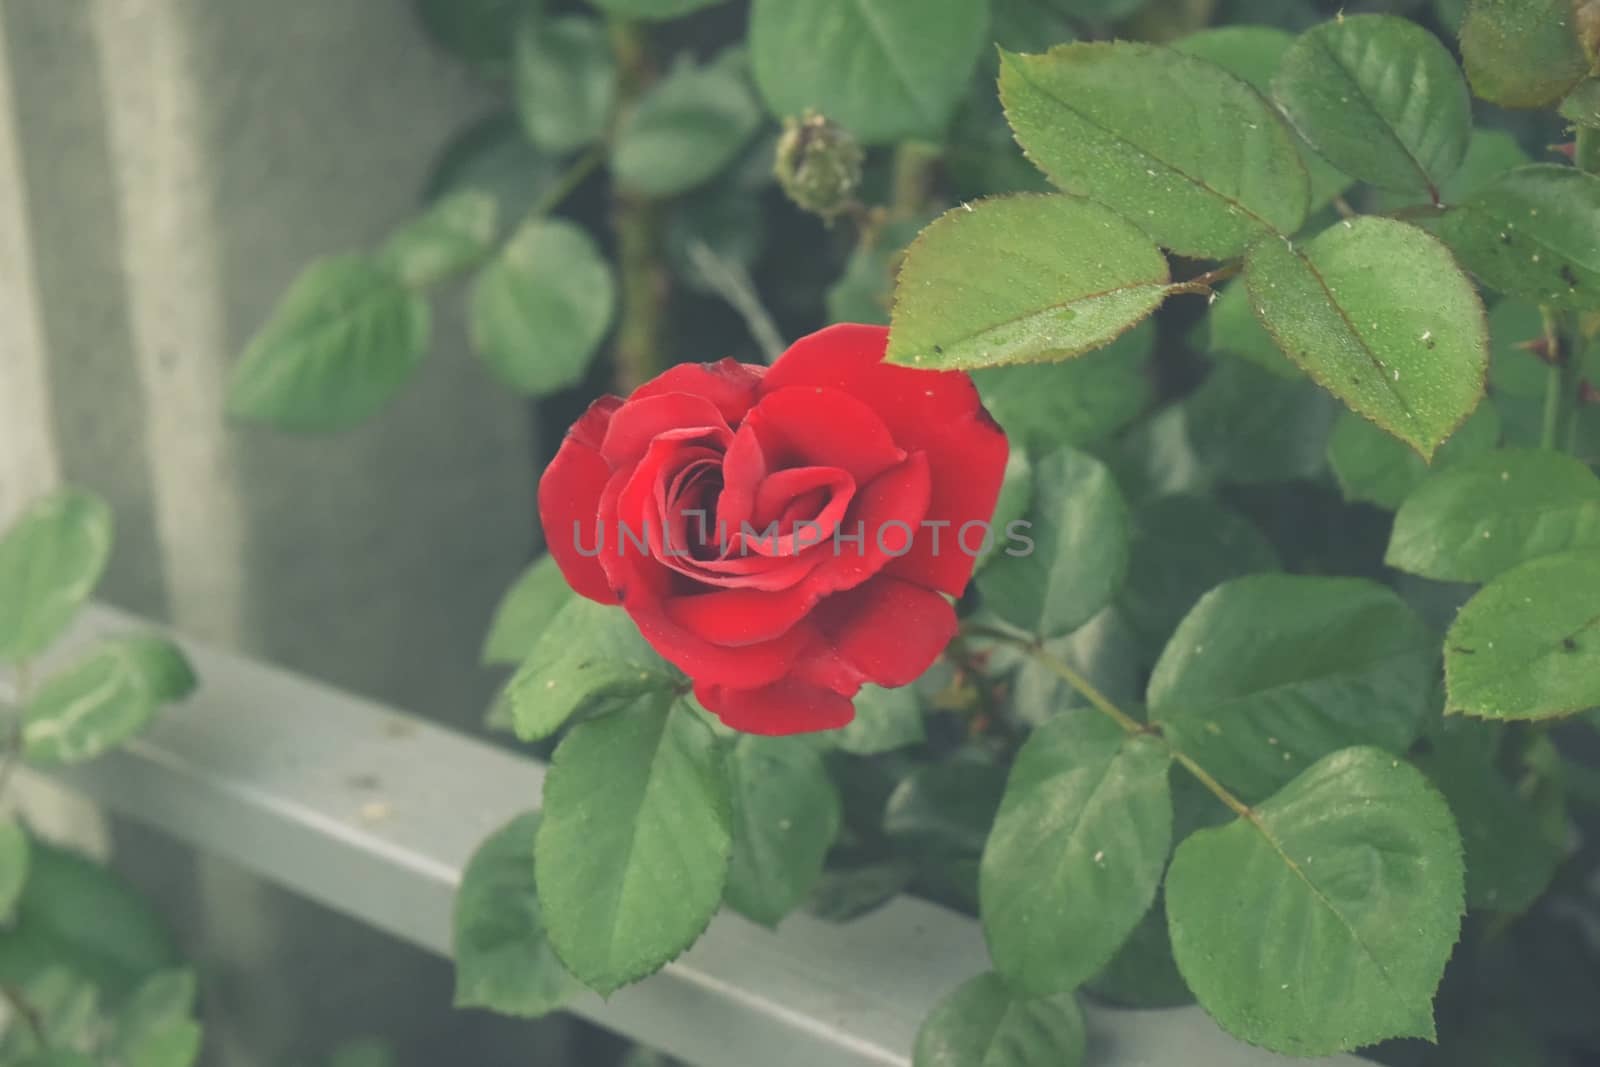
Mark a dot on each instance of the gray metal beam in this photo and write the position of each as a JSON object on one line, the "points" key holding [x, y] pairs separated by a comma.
{"points": [[375, 813]]}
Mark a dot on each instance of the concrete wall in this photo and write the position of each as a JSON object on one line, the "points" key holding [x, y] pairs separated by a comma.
{"points": [[166, 166]]}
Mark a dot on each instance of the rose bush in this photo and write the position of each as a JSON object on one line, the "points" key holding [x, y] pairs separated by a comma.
{"points": [[782, 535]]}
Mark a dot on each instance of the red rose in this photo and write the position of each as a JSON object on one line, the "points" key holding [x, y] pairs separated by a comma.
{"points": [[782, 535]]}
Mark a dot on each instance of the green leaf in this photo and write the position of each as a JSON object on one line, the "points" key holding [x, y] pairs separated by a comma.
{"points": [[985, 1024], [102, 700], [1378, 313], [1143, 974], [1528, 645], [1374, 468], [1079, 524], [1522, 53], [51, 559], [1159, 137], [1489, 154], [1582, 105], [590, 658], [1099, 11], [1232, 329], [156, 1026], [1077, 850], [455, 234], [337, 349], [945, 809], [886, 719], [883, 69], [1511, 854], [1076, 402], [493, 156], [785, 818], [1533, 233], [1022, 279], [1247, 425], [504, 961], [1484, 516], [1381, 99], [525, 612], [1179, 548], [865, 291], [14, 853], [1270, 673], [1104, 650], [687, 129], [541, 309], [1324, 922], [66, 1008], [565, 81], [478, 31], [653, 9], [633, 851]]}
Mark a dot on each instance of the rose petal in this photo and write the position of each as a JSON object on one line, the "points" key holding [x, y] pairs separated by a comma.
{"points": [[739, 617], [887, 514], [638, 422], [787, 707], [776, 529], [569, 502], [727, 383], [822, 428], [889, 630]]}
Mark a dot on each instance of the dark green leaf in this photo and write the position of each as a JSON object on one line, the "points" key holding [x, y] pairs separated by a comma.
{"points": [[1023, 279], [51, 559], [1582, 105], [14, 852], [886, 719], [1522, 53], [456, 233], [1322, 923], [1375, 468], [1533, 233], [338, 348], [1248, 425], [945, 810], [494, 156], [785, 817], [566, 81], [1075, 402], [478, 31], [504, 961], [1485, 515], [686, 130], [526, 611], [1528, 645], [1489, 154], [985, 1024], [1143, 974], [541, 309], [1270, 673], [1381, 99], [1378, 313], [632, 854], [865, 292], [883, 69], [1077, 850], [1104, 650], [1232, 329], [1079, 554], [1159, 137], [589, 658], [653, 9], [1016, 497], [104, 699], [156, 1026]]}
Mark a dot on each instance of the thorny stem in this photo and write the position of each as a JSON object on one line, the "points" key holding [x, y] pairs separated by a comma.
{"points": [[1561, 392], [1103, 704], [638, 225], [569, 181], [1206, 284]]}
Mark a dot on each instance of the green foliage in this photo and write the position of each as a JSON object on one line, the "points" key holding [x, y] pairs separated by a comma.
{"points": [[456, 233], [566, 81], [103, 700], [686, 130], [14, 854], [986, 1024], [1378, 469], [1522, 53], [1076, 402], [785, 818], [50, 561]]}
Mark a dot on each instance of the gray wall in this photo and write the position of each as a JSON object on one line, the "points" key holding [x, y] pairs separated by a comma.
{"points": [[166, 166]]}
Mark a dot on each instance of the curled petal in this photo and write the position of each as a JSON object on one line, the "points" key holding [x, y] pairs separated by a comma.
{"points": [[791, 706], [727, 383]]}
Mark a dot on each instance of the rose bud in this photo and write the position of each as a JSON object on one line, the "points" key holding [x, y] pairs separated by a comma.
{"points": [[818, 165]]}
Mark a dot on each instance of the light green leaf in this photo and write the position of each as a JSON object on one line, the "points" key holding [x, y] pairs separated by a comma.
{"points": [[1247, 425], [541, 309], [338, 348], [1180, 547], [1075, 402], [1270, 673], [504, 961], [156, 1026], [884, 69], [1528, 645], [1533, 233], [1378, 313], [1079, 525], [456, 233], [1375, 468], [653, 9], [785, 818], [590, 658], [1022, 279], [985, 1024], [1345, 889], [1522, 53], [526, 611], [1181, 148], [1077, 851], [565, 81], [1484, 516], [65, 1017], [14, 853], [633, 851], [687, 129], [1380, 98], [104, 699], [51, 559], [886, 719]]}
